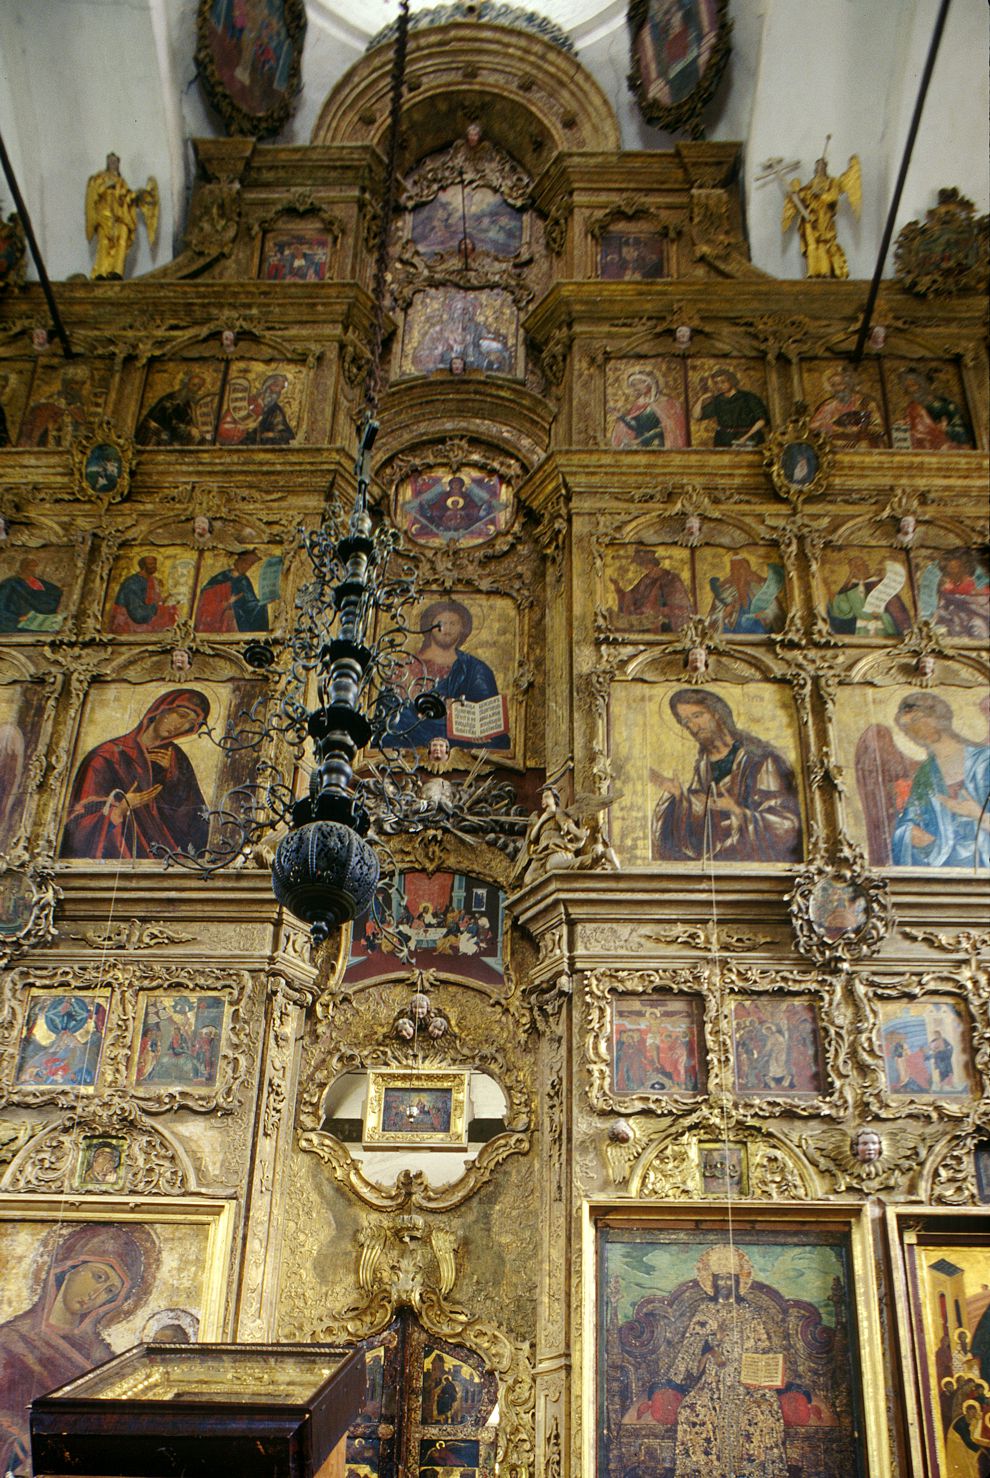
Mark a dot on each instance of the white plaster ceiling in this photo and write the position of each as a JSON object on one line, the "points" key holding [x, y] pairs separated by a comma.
{"points": [[81, 77]]}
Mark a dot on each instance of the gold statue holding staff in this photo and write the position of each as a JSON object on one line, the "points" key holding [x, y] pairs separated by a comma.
{"points": [[814, 207], [111, 216]]}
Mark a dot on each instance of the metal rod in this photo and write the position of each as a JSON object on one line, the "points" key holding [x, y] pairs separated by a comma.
{"points": [[888, 229], [373, 380], [464, 235], [46, 286]]}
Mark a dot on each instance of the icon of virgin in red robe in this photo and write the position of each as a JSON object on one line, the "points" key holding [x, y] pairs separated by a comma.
{"points": [[139, 791]]}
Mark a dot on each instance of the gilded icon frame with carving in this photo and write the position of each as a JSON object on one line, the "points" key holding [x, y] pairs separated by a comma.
{"points": [[659, 91], [416, 1109], [798, 460], [211, 44], [102, 461], [839, 911], [719, 990], [123, 992], [941, 1265], [691, 1247]]}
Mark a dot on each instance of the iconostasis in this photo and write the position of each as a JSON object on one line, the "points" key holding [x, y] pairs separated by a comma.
{"points": [[679, 972]]}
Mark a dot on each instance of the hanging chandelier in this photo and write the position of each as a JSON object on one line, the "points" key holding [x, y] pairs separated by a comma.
{"points": [[347, 643], [350, 632], [345, 683]]}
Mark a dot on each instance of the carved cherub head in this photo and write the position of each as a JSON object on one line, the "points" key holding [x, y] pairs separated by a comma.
{"points": [[867, 1145]]}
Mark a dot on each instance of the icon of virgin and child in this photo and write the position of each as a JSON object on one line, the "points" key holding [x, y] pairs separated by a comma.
{"points": [[93, 1277], [137, 795]]}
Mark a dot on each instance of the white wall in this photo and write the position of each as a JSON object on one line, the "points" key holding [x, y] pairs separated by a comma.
{"points": [[79, 79]]}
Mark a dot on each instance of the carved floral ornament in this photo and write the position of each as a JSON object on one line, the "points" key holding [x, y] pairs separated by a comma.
{"points": [[638, 208], [472, 161], [452, 452], [300, 202], [730, 1160]]}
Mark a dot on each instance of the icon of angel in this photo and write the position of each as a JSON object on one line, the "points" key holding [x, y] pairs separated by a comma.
{"points": [[929, 813]]}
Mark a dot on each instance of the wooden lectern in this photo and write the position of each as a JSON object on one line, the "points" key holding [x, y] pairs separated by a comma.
{"points": [[160, 1411]]}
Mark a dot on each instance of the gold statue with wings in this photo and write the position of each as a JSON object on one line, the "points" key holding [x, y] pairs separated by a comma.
{"points": [[111, 216], [814, 207]]}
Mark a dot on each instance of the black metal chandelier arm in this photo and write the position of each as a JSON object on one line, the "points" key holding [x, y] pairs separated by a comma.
{"points": [[373, 380]]}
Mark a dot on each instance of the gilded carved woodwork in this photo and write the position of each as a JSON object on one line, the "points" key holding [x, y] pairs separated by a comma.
{"points": [[465, 1045], [151, 1162], [717, 988], [123, 994]]}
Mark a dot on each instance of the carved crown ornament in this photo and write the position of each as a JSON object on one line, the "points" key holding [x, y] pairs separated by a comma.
{"points": [[947, 252]]}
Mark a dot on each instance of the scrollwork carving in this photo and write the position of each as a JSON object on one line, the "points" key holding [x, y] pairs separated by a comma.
{"points": [[300, 202], [149, 1162], [30, 897], [214, 219], [840, 911], [471, 160], [134, 935]]}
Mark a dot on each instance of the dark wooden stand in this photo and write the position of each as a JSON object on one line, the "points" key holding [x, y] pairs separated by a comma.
{"points": [[243, 1411]]}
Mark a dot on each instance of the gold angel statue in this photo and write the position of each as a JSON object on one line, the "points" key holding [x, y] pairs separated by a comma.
{"points": [[814, 207], [111, 216]]}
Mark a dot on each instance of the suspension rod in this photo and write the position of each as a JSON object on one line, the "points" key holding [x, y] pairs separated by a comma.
{"points": [[32, 242], [888, 229]]}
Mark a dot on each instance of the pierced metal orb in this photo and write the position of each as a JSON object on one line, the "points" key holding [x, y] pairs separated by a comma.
{"points": [[324, 874]]}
